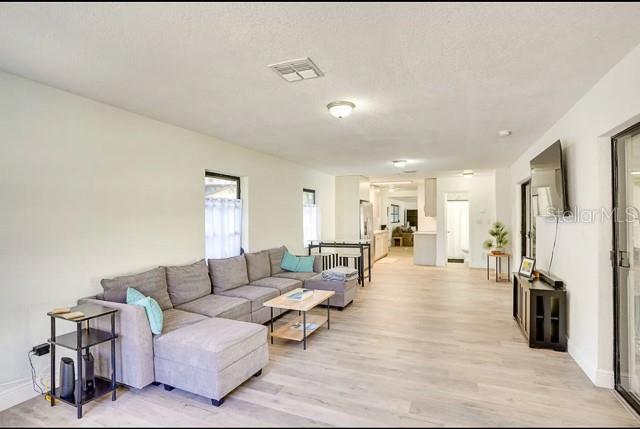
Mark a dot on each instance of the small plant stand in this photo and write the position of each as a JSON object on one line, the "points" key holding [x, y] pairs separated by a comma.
{"points": [[498, 265]]}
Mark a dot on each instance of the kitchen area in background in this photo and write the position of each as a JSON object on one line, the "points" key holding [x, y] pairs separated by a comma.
{"points": [[387, 214], [418, 213]]}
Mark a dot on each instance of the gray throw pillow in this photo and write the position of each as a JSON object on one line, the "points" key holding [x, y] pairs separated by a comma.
{"points": [[187, 283], [228, 273], [317, 264], [275, 257], [258, 265], [151, 283]]}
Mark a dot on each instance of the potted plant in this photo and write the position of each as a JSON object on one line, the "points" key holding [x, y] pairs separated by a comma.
{"points": [[499, 239]]}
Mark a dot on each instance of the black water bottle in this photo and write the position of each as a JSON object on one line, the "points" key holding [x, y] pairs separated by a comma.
{"points": [[67, 378], [88, 376]]}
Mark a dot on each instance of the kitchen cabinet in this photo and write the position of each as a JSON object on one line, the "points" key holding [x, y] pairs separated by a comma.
{"points": [[381, 244]]}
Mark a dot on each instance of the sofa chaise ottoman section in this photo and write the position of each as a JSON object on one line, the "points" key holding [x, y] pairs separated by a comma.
{"points": [[257, 296], [226, 307], [210, 358], [345, 291]]}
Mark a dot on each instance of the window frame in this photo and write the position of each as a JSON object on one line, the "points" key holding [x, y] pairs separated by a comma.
{"points": [[311, 191], [395, 213], [226, 177]]}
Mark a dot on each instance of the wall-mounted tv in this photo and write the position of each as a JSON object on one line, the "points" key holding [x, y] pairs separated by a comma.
{"points": [[548, 183]]}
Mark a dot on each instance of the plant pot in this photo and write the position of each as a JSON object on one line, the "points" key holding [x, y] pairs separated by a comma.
{"points": [[497, 252]]}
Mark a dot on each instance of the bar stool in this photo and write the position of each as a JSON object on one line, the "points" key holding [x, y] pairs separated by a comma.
{"points": [[344, 260], [329, 259]]}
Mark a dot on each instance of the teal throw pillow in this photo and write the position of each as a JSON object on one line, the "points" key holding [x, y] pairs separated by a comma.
{"points": [[297, 264], [151, 307], [134, 295], [305, 264]]}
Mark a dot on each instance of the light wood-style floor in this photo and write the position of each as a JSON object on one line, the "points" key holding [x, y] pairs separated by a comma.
{"points": [[420, 346]]}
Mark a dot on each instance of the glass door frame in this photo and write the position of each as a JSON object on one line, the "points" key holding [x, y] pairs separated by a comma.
{"points": [[615, 261], [526, 238]]}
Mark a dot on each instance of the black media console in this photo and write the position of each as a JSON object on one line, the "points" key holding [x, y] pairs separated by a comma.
{"points": [[540, 309]]}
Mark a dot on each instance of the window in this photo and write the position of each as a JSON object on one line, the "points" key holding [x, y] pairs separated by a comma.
{"points": [[222, 216], [395, 213], [310, 217], [309, 196]]}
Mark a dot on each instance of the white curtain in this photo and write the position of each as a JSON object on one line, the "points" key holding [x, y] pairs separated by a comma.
{"points": [[310, 223], [223, 227]]}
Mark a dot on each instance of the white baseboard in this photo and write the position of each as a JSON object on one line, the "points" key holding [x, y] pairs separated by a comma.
{"points": [[599, 377], [14, 395], [604, 378]]}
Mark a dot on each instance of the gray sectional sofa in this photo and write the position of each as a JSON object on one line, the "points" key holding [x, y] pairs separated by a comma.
{"points": [[213, 339]]}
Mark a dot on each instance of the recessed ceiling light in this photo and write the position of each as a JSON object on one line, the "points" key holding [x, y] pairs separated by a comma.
{"points": [[399, 163], [504, 133], [341, 109], [392, 189], [467, 173]]}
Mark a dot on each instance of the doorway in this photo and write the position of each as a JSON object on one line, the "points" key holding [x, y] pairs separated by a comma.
{"points": [[458, 229], [527, 222], [626, 262]]}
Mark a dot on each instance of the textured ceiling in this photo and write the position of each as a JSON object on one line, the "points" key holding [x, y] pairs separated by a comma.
{"points": [[432, 82]]}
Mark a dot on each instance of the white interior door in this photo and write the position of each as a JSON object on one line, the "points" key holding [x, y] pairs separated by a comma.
{"points": [[457, 229]]}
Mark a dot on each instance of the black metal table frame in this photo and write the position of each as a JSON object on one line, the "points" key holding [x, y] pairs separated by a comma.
{"points": [[304, 323], [79, 348], [346, 245]]}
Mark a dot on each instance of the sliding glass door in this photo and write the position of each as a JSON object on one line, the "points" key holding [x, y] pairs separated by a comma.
{"points": [[626, 261], [527, 223]]}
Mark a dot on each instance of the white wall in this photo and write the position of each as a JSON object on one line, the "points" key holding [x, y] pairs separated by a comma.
{"points": [[504, 201], [582, 253], [347, 208], [482, 213], [91, 191]]}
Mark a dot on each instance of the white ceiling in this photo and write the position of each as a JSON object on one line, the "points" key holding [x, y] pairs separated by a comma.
{"points": [[433, 83]]}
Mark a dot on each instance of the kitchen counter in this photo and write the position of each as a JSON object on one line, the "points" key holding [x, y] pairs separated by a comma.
{"points": [[424, 247], [380, 244]]}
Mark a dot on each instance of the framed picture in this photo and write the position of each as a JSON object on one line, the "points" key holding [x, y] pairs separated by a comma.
{"points": [[526, 267]]}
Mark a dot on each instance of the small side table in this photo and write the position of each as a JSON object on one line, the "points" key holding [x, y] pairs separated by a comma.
{"points": [[82, 339], [499, 257], [399, 239]]}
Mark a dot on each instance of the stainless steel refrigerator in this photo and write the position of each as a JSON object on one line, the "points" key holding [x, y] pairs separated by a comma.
{"points": [[366, 220]]}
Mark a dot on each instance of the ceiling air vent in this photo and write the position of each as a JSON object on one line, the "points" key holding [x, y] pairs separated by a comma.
{"points": [[295, 70], [410, 172]]}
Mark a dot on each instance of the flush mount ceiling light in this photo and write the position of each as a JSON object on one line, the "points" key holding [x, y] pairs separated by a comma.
{"points": [[341, 109], [399, 163], [467, 173], [504, 133]]}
